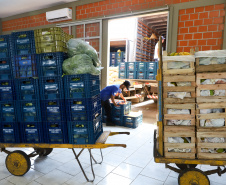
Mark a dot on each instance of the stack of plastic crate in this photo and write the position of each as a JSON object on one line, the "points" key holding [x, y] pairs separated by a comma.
{"points": [[113, 61], [51, 40], [151, 72], [83, 107], [122, 70], [131, 70], [141, 70], [133, 120]]}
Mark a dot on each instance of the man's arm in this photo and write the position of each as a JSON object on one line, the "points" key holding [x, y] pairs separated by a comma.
{"points": [[113, 100], [121, 95]]}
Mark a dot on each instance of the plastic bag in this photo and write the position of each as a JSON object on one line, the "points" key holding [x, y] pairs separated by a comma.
{"points": [[180, 95], [212, 122], [178, 111], [179, 122], [78, 46], [178, 140], [178, 65], [179, 84], [211, 53], [211, 61], [80, 64]]}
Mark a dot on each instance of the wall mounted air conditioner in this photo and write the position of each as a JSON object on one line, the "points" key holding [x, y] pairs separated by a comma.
{"points": [[59, 15]]}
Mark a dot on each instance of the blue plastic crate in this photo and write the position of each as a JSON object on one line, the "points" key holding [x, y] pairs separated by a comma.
{"points": [[23, 43], [27, 89], [131, 66], [85, 132], [51, 88], [122, 110], [118, 55], [118, 120], [53, 110], [81, 86], [7, 90], [5, 69], [5, 46], [133, 122], [55, 132], [8, 111], [10, 132], [50, 64], [113, 62], [85, 109], [113, 55], [29, 111], [151, 66], [141, 66], [31, 132], [24, 66], [141, 75], [122, 66], [131, 74], [123, 55], [122, 75], [150, 76]]}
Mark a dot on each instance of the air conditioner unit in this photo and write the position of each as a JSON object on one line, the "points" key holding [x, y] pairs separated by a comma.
{"points": [[59, 15]]}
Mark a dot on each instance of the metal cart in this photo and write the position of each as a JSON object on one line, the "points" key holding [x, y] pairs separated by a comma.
{"points": [[18, 162], [188, 174]]}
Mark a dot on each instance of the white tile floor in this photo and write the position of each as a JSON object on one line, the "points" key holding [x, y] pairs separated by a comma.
{"points": [[133, 165]]}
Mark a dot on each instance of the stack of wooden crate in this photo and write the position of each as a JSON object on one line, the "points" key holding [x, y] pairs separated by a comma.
{"points": [[177, 110], [211, 108]]}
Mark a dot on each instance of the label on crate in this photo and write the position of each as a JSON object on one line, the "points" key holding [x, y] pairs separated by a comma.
{"points": [[97, 125], [78, 107], [95, 104], [53, 109], [25, 62], [55, 131], [49, 63], [140, 75], [27, 87], [4, 67], [131, 75], [150, 76], [11, 109], [94, 82], [141, 66], [29, 109], [76, 85], [7, 131], [80, 131], [22, 41], [131, 67], [51, 87], [5, 89], [3, 44], [151, 67], [45, 32], [31, 131]]}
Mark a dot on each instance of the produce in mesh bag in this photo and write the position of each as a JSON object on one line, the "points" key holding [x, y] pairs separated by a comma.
{"points": [[180, 95], [179, 140], [211, 60], [179, 122], [178, 111], [213, 140], [178, 65], [78, 46], [212, 93], [79, 64], [179, 84], [212, 122], [213, 81]]}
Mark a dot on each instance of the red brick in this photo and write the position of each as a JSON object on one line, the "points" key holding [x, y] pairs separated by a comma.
{"points": [[201, 42], [181, 12], [140, 1], [181, 24], [212, 27], [193, 29], [184, 1], [190, 10], [180, 49], [192, 43], [220, 41], [202, 29], [183, 43], [194, 16], [222, 13], [197, 36], [204, 15], [209, 8], [160, 3], [214, 14], [207, 35], [183, 30], [188, 23], [219, 6], [187, 36], [184, 17], [180, 37], [204, 48], [127, 3], [135, 2], [218, 20], [168, 2], [109, 6], [211, 41], [198, 22], [115, 5], [208, 21], [221, 27], [216, 47], [187, 49], [176, 1]]}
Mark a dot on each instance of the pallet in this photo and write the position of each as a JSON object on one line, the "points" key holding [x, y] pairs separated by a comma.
{"points": [[189, 89], [210, 116], [208, 99], [200, 145], [209, 68], [188, 71], [190, 116], [179, 131]]}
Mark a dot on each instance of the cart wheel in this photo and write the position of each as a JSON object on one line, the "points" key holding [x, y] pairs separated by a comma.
{"points": [[18, 163], [193, 176], [43, 151], [185, 166]]}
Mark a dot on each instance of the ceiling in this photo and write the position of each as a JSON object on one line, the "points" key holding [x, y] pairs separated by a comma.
{"points": [[15, 7]]}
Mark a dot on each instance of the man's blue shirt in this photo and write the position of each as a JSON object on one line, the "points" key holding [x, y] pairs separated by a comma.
{"points": [[105, 94]]}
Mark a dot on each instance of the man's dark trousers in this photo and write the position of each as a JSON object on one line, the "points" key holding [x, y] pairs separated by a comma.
{"points": [[107, 107]]}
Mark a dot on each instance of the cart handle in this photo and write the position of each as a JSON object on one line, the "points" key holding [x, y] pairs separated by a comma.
{"points": [[117, 133]]}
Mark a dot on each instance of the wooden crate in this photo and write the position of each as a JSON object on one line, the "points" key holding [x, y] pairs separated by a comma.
{"points": [[188, 71], [208, 99], [209, 68], [188, 89], [210, 115], [179, 131], [200, 145], [191, 116]]}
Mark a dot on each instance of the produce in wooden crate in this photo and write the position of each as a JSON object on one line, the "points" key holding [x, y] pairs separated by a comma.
{"points": [[179, 122], [213, 140], [179, 140], [211, 61]]}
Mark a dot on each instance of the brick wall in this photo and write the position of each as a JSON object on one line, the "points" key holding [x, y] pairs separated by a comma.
{"points": [[201, 27]]}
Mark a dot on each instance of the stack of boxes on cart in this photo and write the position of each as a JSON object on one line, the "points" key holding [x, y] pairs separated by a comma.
{"points": [[138, 70], [116, 58], [37, 104], [194, 91]]}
